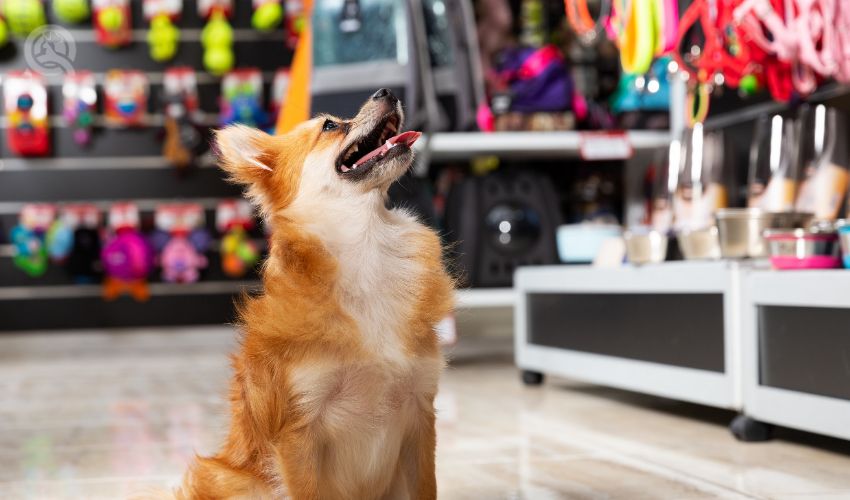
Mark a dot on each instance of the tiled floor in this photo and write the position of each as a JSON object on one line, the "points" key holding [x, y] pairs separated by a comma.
{"points": [[93, 415]]}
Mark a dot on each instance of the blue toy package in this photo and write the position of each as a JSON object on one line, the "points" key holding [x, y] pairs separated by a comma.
{"points": [[242, 99]]}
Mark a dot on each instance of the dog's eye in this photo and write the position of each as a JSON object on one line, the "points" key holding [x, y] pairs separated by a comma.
{"points": [[329, 125]]}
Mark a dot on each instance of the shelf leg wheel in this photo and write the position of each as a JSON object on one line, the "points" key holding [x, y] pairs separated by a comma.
{"points": [[749, 430], [530, 377]]}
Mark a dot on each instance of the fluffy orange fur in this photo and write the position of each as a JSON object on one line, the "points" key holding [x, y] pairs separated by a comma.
{"points": [[334, 384]]}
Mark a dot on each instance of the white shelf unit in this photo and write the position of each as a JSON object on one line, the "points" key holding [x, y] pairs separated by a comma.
{"points": [[718, 283], [800, 408], [473, 298], [464, 145]]}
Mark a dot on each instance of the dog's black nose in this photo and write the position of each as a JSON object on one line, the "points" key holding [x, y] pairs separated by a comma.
{"points": [[384, 94]]}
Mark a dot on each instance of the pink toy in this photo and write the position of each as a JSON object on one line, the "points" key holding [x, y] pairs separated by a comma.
{"points": [[181, 261], [127, 257]]}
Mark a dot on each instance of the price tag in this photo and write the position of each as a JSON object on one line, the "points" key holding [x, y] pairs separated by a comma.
{"points": [[605, 146]]}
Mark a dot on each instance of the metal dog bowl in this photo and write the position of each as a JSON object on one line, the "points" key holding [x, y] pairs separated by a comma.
{"points": [[740, 230], [803, 249]]}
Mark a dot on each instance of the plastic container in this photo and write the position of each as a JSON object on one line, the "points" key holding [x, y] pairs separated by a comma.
{"points": [[645, 246], [579, 243]]}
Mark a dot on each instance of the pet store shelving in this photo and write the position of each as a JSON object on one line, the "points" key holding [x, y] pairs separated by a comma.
{"points": [[465, 145], [796, 350], [670, 330], [156, 289]]}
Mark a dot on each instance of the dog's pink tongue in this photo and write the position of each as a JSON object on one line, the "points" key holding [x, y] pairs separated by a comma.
{"points": [[405, 138]]}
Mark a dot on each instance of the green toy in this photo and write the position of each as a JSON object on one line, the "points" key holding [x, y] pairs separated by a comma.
{"points": [[24, 16], [4, 32], [163, 38], [749, 85], [71, 11], [217, 39], [267, 16], [111, 18]]}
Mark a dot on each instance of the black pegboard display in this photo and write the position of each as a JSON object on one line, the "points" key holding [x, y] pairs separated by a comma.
{"points": [[124, 164]]}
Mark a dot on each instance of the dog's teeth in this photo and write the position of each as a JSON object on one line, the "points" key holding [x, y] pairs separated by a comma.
{"points": [[345, 168]]}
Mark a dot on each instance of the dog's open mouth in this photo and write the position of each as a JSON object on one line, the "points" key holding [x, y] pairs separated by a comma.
{"points": [[379, 145]]}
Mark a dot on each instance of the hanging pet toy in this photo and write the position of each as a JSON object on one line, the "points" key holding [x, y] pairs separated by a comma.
{"points": [[25, 98], [127, 257], [217, 36], [28, 239], [30, 253], [83, 260], [238, 253], [182, 258], [113, 22], [267, 16], [80, 105], [164, 36], [24, 16], [183, 139], [182, 239], [71, 11]]}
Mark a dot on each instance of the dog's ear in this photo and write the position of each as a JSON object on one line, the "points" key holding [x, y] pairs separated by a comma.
{"points": [[246, 154], [251, 158]]}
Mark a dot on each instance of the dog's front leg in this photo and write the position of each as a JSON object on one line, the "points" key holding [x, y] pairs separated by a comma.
{"points": [[299, 457], [415, 477]]}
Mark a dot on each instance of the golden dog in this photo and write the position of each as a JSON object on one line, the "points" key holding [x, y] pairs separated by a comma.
{"points": [[334, 384]]}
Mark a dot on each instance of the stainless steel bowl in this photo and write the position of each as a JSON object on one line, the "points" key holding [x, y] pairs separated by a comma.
{"points": [[648, 247], [700, 244], [803, 248], [740, 230]]}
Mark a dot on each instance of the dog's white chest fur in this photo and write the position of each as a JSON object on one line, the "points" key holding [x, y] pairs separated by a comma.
{"points": [[363, 411]]}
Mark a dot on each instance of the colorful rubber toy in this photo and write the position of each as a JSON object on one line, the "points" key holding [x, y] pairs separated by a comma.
{"points": [[182, 260], [127, 258], [217, 39], [164, 36], [25, 100], [71, 11], [242, 94], [181, 238], [238, 253], [126, 97], [267, 16], [24, 16], [80, 105], [59, 241], [30, 252], [113, 22]]}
